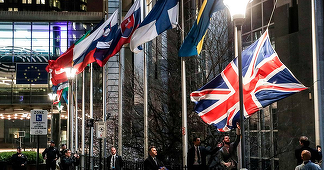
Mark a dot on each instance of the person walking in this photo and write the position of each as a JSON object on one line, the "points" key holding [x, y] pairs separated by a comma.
{"points": [[152, 163], [51, 154], [307, 163], [68, 162], [115, 162], [19, 160]]}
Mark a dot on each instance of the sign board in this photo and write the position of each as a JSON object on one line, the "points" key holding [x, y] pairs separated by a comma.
{"points": [[101, 129], [38, 122]]}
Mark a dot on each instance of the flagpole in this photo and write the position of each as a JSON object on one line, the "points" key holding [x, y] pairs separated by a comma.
{"points": [[83, 122], [238, 24], [316, 78], [120, 93], [76, 113], [91, 115], [145, 93], [184, 99]]}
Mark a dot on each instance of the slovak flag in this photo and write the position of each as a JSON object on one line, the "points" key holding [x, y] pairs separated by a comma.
{"points": [[163, 16], [122, 36], [84, 50], [265, 81]]}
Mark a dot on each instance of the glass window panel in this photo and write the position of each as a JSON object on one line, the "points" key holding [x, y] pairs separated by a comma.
{"points": [[254, 163], [22, 42], [24, 1], [265, 119], [247, 23], [266, 165], [267, 13], [1, 1], [255, 2], [5, 41], [25, 34], [6, 25], [40, 34], [40, 26], [256, 17], [254, 120], [266, 144], [275, 144], [254, 144]]}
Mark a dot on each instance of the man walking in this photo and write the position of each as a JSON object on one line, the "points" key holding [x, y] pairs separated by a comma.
{"points": [[115, 162], [51, 154]]}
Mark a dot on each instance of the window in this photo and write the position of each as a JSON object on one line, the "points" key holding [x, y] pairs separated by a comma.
{"points": [[40, 2], [1, 1], [24, 1], [29, 1]]}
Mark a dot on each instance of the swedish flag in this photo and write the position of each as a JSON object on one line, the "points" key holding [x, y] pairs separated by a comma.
{"points": [[31, 74], [193, 43]]}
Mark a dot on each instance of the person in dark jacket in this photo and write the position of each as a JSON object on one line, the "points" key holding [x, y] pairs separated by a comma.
{"points": [[51, 154], [152, 163], [114, 161], [19, 160], [304, 143], [69, 162], [63, 150]]}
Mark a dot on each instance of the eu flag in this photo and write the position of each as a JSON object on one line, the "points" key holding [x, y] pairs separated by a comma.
{"points": [[31, 73]]}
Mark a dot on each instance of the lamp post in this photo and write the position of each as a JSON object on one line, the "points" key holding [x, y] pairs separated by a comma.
{"points": [[54, 120], [237, 10], [70, 73], [59, 108]]}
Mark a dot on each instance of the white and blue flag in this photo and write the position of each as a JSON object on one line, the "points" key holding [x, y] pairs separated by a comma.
{"points": [[163, 16]]}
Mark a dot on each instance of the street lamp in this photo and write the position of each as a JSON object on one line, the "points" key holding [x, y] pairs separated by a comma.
{"points": [[54, 120], [70, 73], [237, 10]]}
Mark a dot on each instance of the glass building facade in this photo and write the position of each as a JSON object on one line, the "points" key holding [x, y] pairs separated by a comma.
{"points": [[29, 45]]}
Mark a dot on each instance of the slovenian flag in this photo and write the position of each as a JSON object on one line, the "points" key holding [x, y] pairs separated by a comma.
{"points": [[122, 36]]}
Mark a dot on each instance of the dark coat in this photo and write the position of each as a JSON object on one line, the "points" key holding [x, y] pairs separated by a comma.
{"points": [[149, 164], [51, 154], [229, 155], [68, 163], [17, 161], [118, 162], [191, 156], [315, 155]]}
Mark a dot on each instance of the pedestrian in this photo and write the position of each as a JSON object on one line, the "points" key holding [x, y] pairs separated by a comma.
{"points": [[307, 163], [68, 162], [152, 163], [115, 162], [227, 154], [304, 145], [197, 155], [19, 160], [51, 154]]}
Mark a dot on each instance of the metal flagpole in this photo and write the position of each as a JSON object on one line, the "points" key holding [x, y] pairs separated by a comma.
{"points": [[91, 116], [83, 122], [120, 92], [184, 99], [145, 94], [316, 78], [76, 114]]}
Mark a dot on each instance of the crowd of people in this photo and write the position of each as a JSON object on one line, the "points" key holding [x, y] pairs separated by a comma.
{"points": [[223, 157]]}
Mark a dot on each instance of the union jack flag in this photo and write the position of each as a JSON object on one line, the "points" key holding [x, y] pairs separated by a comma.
{"points": [[265, 81]]}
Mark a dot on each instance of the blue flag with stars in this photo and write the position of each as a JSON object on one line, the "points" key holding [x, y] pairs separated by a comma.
{"points": [[31, 73]]}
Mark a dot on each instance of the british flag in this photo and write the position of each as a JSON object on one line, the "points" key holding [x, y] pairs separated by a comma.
{"points": [[265, 80]]}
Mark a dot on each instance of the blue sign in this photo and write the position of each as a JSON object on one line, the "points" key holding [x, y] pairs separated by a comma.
{"points": [[39, 117]]}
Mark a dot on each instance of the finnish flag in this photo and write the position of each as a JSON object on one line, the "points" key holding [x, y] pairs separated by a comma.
{"points": [[163, 16]]}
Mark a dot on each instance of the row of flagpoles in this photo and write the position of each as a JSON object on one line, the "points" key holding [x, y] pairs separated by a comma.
{"points": [[107, 39]]}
